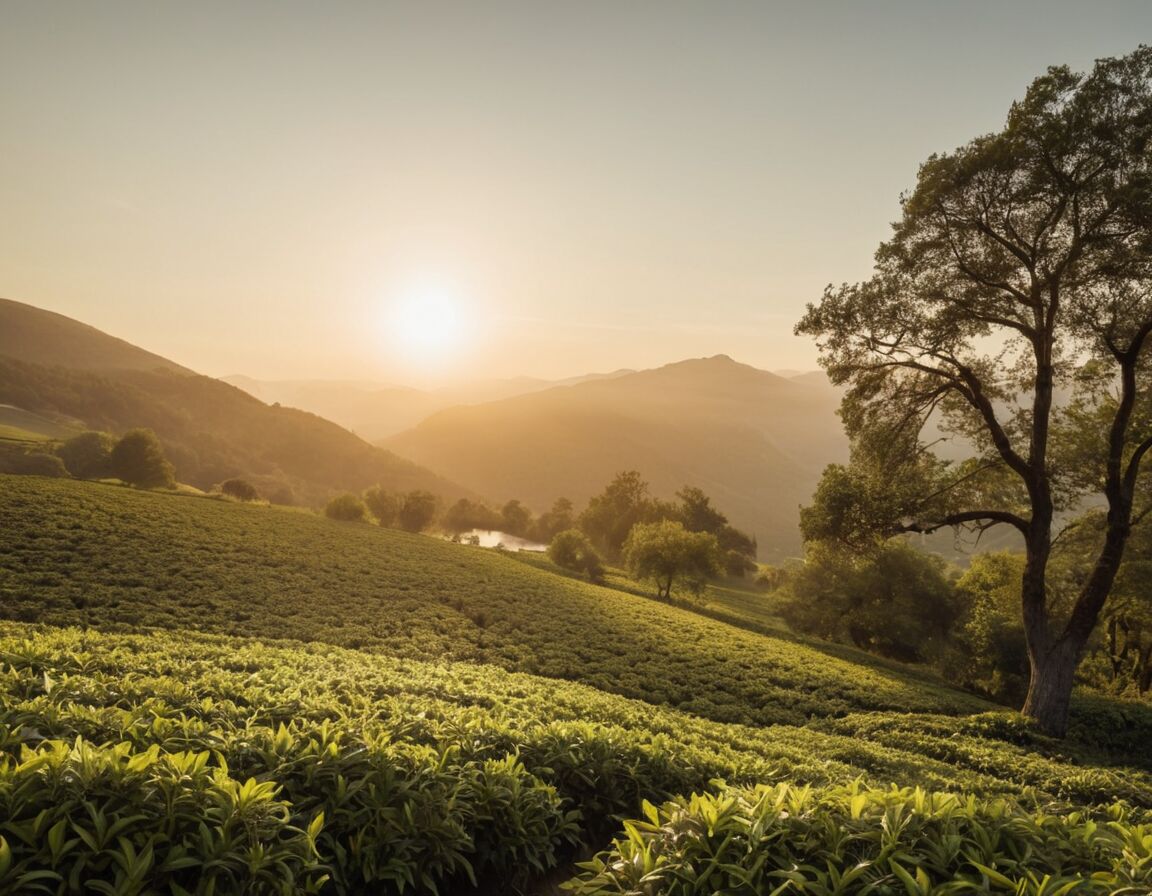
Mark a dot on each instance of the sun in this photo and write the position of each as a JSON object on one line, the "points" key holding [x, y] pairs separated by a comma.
{"points": [[427, 323]]}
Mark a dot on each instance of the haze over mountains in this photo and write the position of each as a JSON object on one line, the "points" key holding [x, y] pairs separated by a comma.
{"points": [[74, 374], [754, 441], [375, 411]]}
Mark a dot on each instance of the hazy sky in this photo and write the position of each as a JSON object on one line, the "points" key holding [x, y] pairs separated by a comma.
{"points": [[249, 186]]}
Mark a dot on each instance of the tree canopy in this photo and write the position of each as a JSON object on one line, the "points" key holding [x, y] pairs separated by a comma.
{"points": [[1010, 311], [668, 553], [138, 459]]}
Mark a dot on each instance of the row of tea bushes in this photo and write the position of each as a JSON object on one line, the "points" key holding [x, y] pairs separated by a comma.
{"points": [[850, 839]]}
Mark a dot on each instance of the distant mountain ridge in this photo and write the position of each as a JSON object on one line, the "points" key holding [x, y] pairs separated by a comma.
{"points": [[53, 365], [375, 411], [756, 442]]}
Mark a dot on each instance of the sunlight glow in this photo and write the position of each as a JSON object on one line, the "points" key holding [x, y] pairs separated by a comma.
{"points": [[427, 323]]}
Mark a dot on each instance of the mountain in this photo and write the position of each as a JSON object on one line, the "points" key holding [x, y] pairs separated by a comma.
{"points": [[755, 442], [62, 369], [376, 411], [45, 337]]}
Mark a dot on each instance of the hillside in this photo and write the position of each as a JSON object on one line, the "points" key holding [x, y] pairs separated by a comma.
{"points": [[211, 431], [429, 761], [75, 555], [45, 337], [755, 442]]}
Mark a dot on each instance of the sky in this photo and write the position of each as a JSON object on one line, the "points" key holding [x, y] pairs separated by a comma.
{"points": [[429, 191]]}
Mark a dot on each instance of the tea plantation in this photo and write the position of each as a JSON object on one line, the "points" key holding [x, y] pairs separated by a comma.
{"points": [[205, 697]]}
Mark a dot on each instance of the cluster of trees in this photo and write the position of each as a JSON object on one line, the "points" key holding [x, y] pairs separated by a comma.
{"points": [[678, 543], [412, 511], [513, 518], [137, 458], [902, 603]]}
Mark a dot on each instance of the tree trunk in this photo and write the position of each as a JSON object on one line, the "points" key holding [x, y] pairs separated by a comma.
{"points": [[1050, 687]]}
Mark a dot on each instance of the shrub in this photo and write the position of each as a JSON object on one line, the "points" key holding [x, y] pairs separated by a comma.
{"points": [[88, 455], [383, 505], [572, 550], [417, 511], [31, 463], [138, 459], [240, 489], [348, 508]]}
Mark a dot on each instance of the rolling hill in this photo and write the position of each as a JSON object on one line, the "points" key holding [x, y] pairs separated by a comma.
{"points": [[57, 368], [755, 442], [266, 701]]}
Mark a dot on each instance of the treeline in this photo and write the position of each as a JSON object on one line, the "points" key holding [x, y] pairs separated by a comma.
{"points": [[136, 458], [895, 601], [679, 543], [212, 431]]}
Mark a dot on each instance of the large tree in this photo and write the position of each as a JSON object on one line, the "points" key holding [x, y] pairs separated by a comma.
{"points": [[1011, 309]]}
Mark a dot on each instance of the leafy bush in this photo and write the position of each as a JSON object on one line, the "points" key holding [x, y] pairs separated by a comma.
{"points": [[895, 602], [88, 455], [855, 839], [240, 489], [348, 508], [138, 459], [573, 551], [23, 462]]}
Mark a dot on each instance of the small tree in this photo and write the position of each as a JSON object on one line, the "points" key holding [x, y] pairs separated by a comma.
{"points": [[240, 489], [610, 516], [347, 508], [515, 518], [138, 459], [417, 511], [383, 505], [572, 550], [667, 553], [551, 523], [896, 602], [88, 455]]}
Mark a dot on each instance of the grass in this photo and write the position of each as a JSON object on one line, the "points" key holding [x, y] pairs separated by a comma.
{"points": [[19, 425]]}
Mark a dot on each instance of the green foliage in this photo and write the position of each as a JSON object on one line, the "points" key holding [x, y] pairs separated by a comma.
{"points": [[88, 455], [610, 516], [995, 656], [1011, 310], [27, 460], [467, 514], [73, 555], [382, 505], [668, 553], [896, 602], [417, 511], [554, 521], [573, 551], [347, 508], [240, 489], [410, 775], [515, 518], [854, 839], [138, 459]]}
